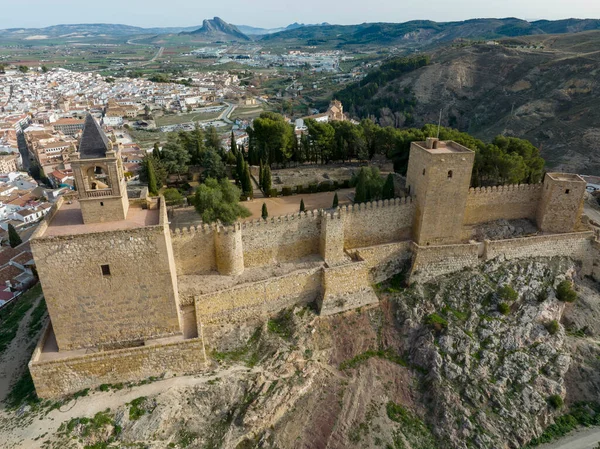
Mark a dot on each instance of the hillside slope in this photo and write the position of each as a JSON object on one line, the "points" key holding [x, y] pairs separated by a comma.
{"points": [[542, 88], [434, 366]]}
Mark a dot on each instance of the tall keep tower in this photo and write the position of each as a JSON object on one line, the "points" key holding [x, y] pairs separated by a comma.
{"points": [[439, 175], [99, 177]]}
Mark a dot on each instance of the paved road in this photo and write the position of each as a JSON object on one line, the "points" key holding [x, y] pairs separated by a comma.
{"points": [[580, 439]]}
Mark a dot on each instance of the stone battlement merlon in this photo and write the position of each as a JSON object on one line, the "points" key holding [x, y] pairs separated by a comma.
{"points": [[308, 215], [505, 188]]}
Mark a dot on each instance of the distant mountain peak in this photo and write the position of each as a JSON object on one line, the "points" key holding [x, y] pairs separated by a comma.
{"points": [[217, 28]]}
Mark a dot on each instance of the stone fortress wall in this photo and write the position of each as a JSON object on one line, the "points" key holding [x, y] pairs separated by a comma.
{"points": [[485, 204], [172, 292]]}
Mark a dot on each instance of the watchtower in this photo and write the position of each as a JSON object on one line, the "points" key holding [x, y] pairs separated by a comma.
{"points": [[439, 176], [99, 177], [562, 202]]}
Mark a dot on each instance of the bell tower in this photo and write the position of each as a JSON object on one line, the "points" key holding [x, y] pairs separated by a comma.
{"points": [[99, 176]]}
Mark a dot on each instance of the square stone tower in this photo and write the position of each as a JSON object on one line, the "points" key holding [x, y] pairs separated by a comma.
{"points": [[439, 176], [562, 202], [99, 176], [106, 266]]}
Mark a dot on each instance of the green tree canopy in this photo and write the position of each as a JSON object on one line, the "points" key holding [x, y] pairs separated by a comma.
{"points": [[174, 156], [173, 197], [213, 164], [264, 213], [219, 200]]}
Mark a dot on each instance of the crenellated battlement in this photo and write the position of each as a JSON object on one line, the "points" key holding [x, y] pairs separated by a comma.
{"points": [[506, 188], [306, 216], [379, 204]]}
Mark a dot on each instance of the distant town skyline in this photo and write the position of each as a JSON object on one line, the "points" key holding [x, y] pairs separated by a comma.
{"points": [[274, 14]]}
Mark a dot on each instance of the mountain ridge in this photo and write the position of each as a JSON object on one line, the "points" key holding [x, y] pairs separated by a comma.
{"points": [[218, 28]]}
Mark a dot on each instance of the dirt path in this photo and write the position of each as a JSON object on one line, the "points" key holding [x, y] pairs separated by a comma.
{"points": [[587, 438], [24, 437], [16, 355]]}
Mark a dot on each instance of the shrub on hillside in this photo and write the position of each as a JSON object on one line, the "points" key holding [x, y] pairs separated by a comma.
{"points": [[286, 191], [555, 401], [504, 308], [507, 293], [565, 292], [552, 327]]}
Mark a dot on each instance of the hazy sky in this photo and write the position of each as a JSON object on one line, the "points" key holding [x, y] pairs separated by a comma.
{"points": [[275, 13]]}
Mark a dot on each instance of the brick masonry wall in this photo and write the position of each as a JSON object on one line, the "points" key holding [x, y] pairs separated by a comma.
{"points": [[378, 222], [56, 378], [194, 250], [503, 202], [281, 239], [432, 261], [137, 301]]}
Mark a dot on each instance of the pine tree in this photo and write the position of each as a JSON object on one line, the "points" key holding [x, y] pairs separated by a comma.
{"points": [[13, 236], [265, 213], [302, 208], [151, 175], [335, 201], [156, 152], [388, 192], [361, 193]]}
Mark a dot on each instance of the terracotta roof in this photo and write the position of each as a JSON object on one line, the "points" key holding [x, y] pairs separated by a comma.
{"points": [[8, 273], [8, 253], [94, 143], [23, 259]]}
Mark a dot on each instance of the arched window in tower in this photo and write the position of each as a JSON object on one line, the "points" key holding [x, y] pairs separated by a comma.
{"points": [[449, 174], [97, 178]]}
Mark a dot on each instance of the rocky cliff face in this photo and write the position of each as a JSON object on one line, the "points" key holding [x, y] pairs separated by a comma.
{"points": [[440, 365]]}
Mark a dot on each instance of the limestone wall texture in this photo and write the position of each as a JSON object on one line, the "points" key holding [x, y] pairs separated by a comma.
{"points": [[562, 202], [194, 250], [137, 301], [346, 287], [99, 210], [378, 222], [384, 261], [511, 202], [576, 245], [61, 377], [281, 239], [258, 298], [432, 261]]}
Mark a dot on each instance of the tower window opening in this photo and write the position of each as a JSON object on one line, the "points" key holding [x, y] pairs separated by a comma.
{"points": [[101, 203], [423, 172], [450, 174], [567, 191], [105, 270]]}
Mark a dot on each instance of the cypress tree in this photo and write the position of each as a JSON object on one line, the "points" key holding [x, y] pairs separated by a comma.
{"points": [[261, 171], [267, 179], [335, 201], [239, 169], [361, 193], [13, 236], [302, 208], [234, 150], [156, 152], [152, 187], [265, 213], [246, 182], [388, 188]]}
